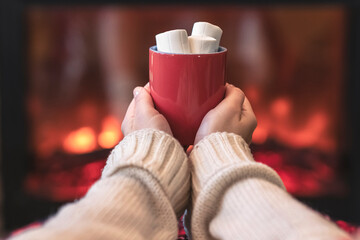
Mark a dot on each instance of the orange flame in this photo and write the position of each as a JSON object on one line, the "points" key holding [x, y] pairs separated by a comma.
{"points": [[111, 132], [80, 141], [278, 122]]}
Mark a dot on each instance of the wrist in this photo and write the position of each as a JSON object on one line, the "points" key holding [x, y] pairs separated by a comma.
{"points": [[218, 153], [158, 153]]}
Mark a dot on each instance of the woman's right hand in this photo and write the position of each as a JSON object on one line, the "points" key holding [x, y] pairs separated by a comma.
{"points": [[141, 114], [233, 115]]}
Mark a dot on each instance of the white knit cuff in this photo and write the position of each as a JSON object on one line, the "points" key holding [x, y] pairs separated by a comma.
{"points": [[161, 155], [225, 152]]}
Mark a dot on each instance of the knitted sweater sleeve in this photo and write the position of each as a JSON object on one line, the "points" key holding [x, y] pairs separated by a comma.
{"points": [[236, 198], [145, 179]]}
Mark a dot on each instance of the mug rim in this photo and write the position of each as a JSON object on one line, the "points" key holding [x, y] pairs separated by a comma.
{"points": [[222, 50]]}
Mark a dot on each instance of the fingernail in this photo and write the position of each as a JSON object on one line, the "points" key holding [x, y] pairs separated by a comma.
{"points": [[136, 92]]}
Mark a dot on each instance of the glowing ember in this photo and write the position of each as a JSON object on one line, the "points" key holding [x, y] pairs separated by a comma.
{"points": [[305, 173], [80, 141], [111, 132], [66, 184]]}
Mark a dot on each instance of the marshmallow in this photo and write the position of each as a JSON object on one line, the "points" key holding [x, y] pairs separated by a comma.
{"points": [[207, 29], [202, 44], [174, 41]]}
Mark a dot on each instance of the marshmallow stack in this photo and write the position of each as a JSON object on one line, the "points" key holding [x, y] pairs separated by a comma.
{"points": [[205, 38]]}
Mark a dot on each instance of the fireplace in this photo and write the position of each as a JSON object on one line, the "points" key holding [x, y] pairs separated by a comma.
{"points": [[62, 114]]}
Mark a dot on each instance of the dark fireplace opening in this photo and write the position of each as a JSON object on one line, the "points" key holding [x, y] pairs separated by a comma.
{"points": [[83, 62]]}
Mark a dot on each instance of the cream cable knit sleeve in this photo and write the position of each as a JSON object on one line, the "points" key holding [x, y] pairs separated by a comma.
{"points": [[145, 179], [236, 198]]}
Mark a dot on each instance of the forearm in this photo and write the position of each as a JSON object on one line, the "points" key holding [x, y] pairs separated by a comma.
{"points": [[118, 207], [134, 199], [247, 199], [257, 209]]}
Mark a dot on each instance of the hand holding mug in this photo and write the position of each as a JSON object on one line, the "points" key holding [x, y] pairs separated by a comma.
{"points": [[233, 114], [141, 114]]}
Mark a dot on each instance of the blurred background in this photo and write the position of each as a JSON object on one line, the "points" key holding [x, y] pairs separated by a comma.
{"points": [[68, 72]]}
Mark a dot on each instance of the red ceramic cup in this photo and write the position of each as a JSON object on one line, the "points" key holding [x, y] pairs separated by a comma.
{"points": [[185, 87]]}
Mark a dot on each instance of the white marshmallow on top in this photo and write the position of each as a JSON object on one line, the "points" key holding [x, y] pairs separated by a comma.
{"points": [[174, 41], [207, 29], [202, 44]]}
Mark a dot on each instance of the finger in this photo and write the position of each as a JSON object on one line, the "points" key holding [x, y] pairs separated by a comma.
{"points": [[136, 91], [143, 101], [234, 98], [234, 94], [248, 115], [246, 107]]}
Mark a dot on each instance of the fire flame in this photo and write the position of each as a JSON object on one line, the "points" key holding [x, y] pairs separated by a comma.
{"points": [[278, 123], [84, 140], [111, 132], [80, 141]]}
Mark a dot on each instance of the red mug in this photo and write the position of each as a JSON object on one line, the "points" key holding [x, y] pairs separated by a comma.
{"points": [[185, 87]]}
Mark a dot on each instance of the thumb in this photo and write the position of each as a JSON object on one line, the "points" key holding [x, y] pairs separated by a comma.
{"points": [[143, 100]]}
